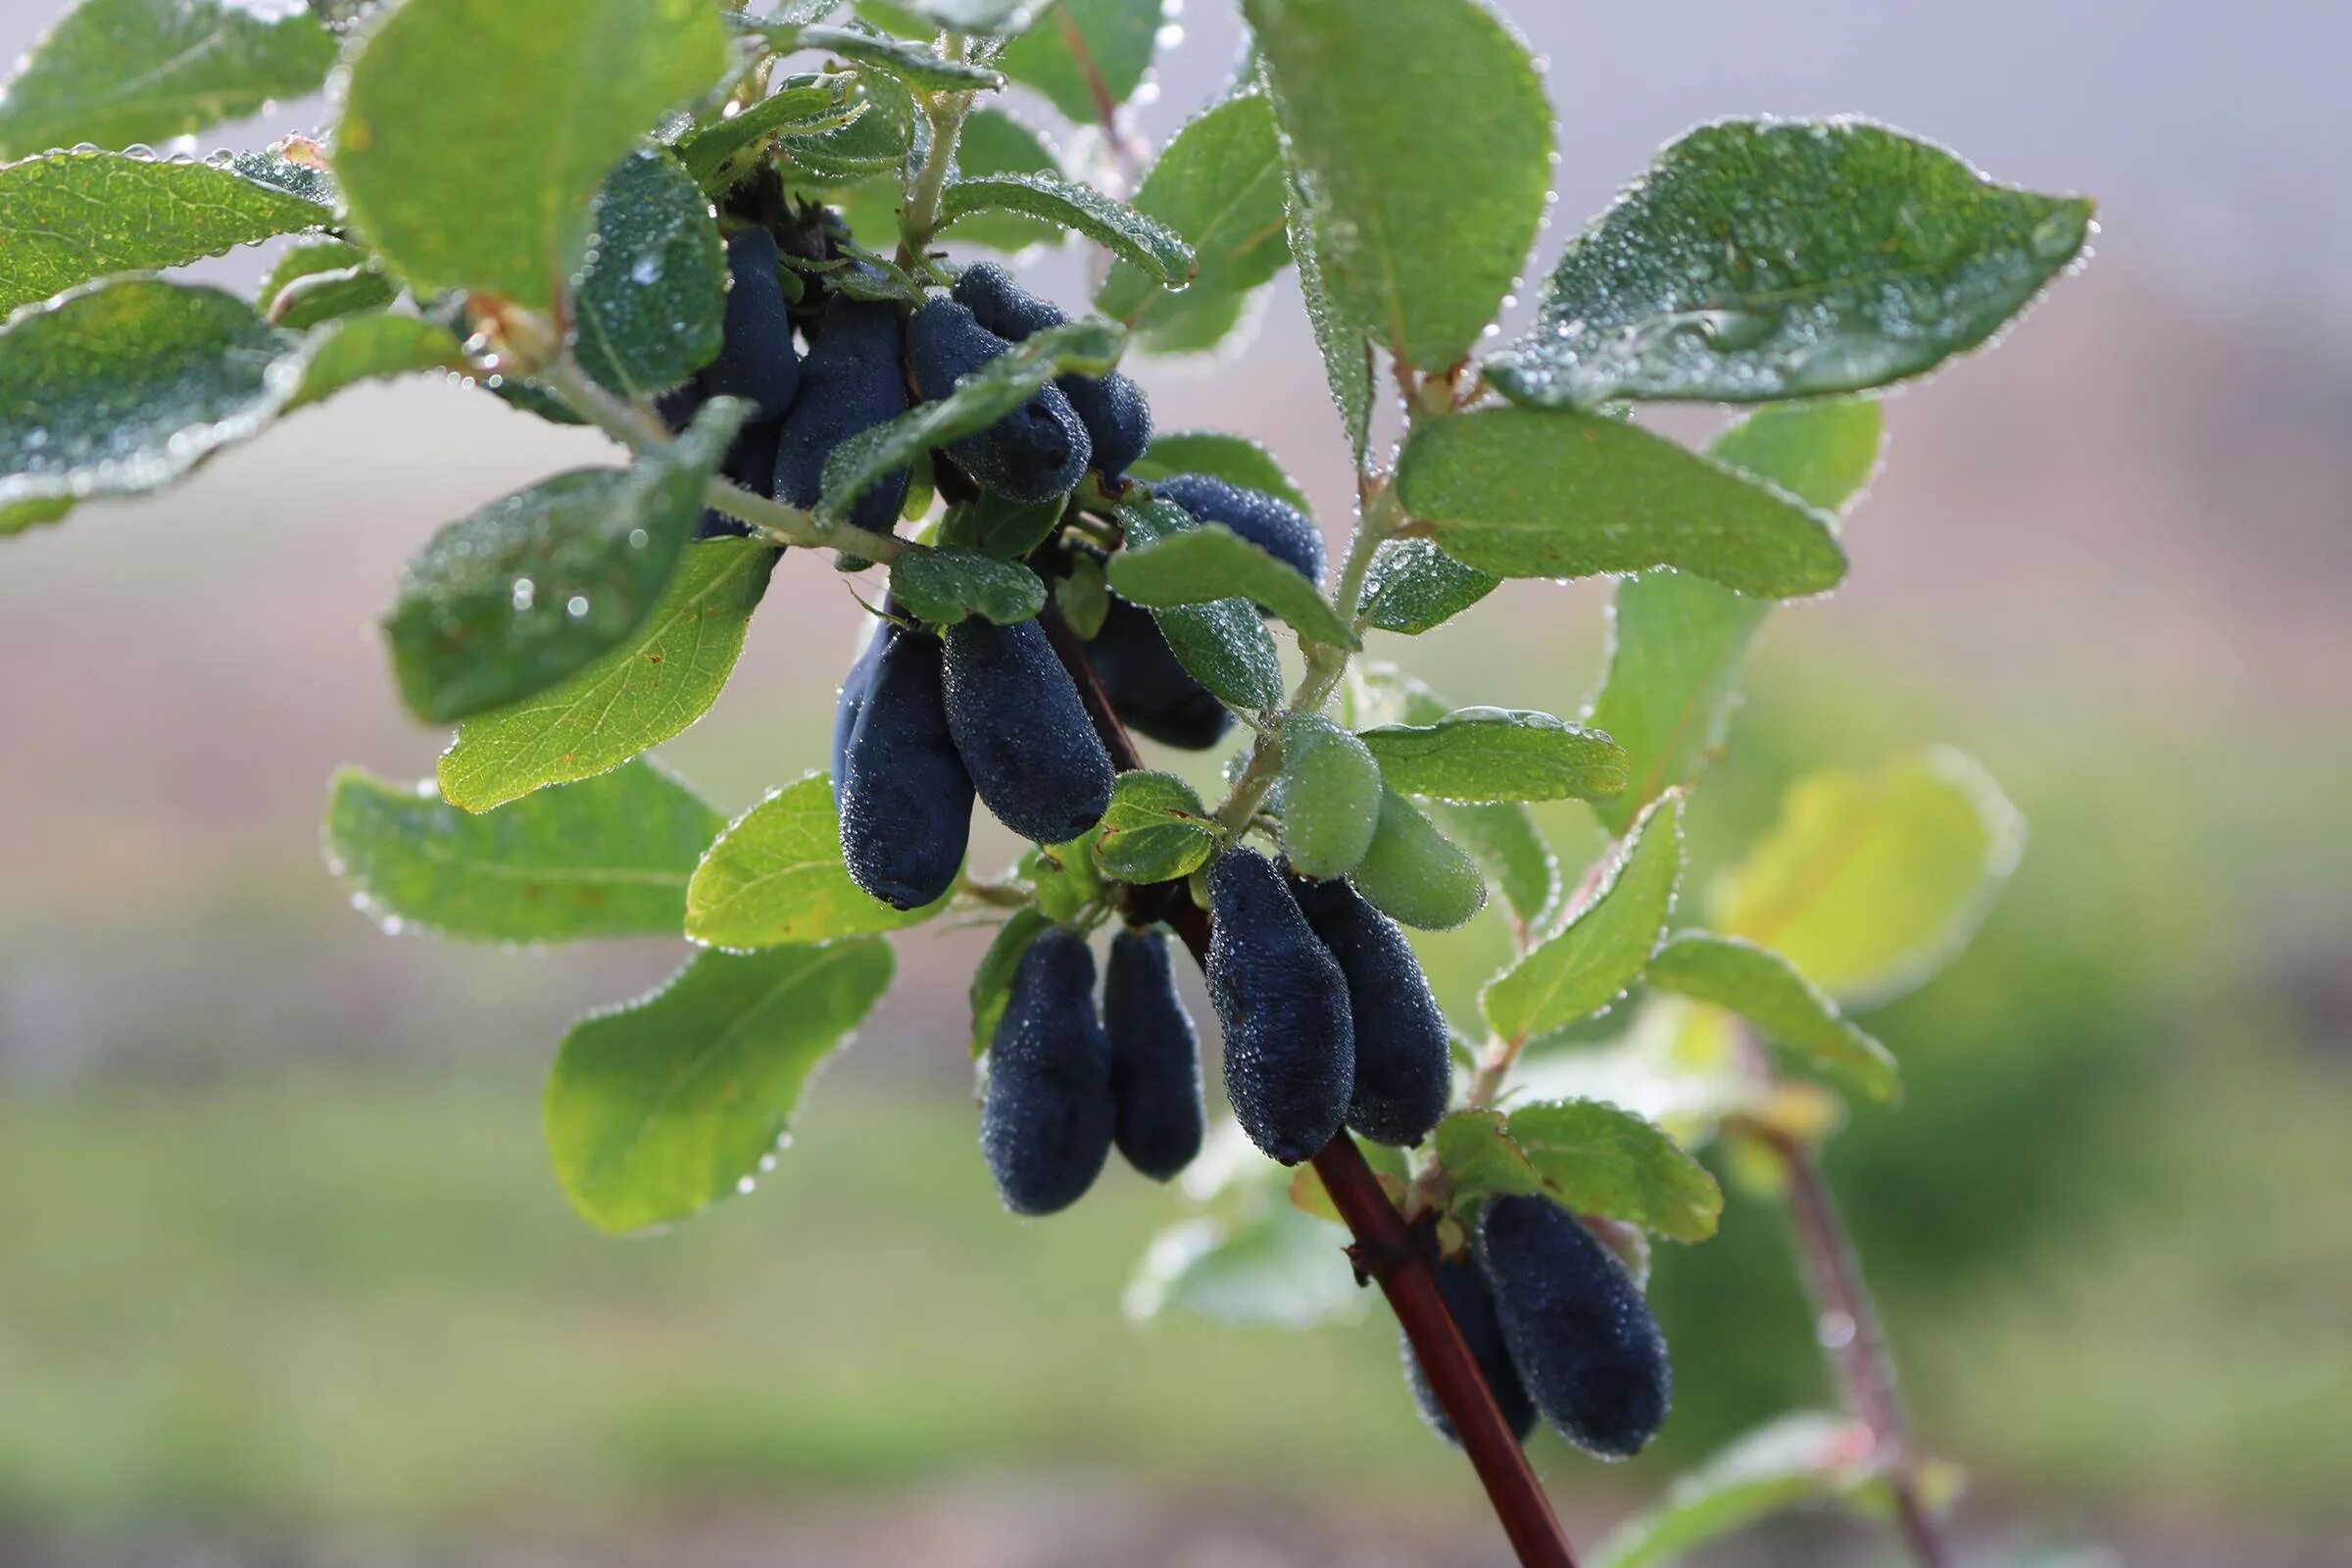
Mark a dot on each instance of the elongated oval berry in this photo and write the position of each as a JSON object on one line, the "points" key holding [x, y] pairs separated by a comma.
{"points": [[1114, 411], [757, 360], [906, 798], [1149, 688], [1330, 795], [1032, 753], [1472, 1306], [1035, 453], [1403, 1058], [852, 702], [1579, 1331], [1290, 1040], [1274, 525], [1415, 873], [1154, 1058], [854, 378], [1046, 1117]]}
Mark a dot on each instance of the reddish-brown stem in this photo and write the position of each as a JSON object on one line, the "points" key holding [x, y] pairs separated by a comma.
{"points": [[1385, 1248], [1848, 1326]]}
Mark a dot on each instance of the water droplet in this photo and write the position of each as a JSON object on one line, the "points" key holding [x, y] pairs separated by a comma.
{"points": [[577, 607], [1835, 1330], [639, 538], [525, 593]]}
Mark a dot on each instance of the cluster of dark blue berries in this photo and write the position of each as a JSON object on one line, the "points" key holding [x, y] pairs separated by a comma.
{"points": [[1328, 1020]]}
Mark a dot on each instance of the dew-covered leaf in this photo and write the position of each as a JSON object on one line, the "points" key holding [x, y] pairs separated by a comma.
{"points": [[316, 298], [1509, 849], [1598, 1160], [1222, 645], [1532, 493], [1346, 352], [1786, 1008], [634, 697], [995, 141], [1415, 586], [719, 154], [1066, 204], [916, 65], [125, 386], [776, 877], [1234, 459], [980, 400], [474, 137], [1676, 641], [118, 72], [1869, 882], [1279, 1266], [1499, 754], [651, 304], [70, 217], [1086, 48], [1210, 563], [605, 858], [1420, 141], [506, 603], [1798, 1460], [994, 18], [944, 586], [1588, 963], [659, 1108], [1780, 259], [370, 346], [995, 526], [1219, 185], [874, 142], [1156, 830]]}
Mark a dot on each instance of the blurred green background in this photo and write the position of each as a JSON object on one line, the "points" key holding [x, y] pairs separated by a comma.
{"points": [[283, 1278]]}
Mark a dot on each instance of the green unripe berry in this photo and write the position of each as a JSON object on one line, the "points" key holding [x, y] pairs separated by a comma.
{"points": [[1330, 794], [1414, 875]]}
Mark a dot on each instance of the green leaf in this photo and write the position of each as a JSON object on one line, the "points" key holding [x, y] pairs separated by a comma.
{"points": [[474, 137], [1523, 493], [1156, 830], [321, 297], [371, 347], [913, 64], [995, 526], [123, 386], [1235, 459], [659, 1108], [1210, 563], [987, 18], [1800, 1460], [1111, 49], [1330, 795], [1869, 882], [1499, 754], [1421, 142], [1063, 876], [1788, 1009], [1598, 1160], [944, 586], [874, 142], [1278, 1266], [1776, 258], [1509, 848], [992, 979], [981, 399], [995, 141], [75, 215], [508, 601], [652, 302], [1588, 963], [119, 71], [1676, 641], [1346, 353], [634, 697], [776, 877], [1219, 185], [1223, 645], [1082, 597], [304, 259], [607, 857], [1415, 586], [719, 154], [1066, 204]]}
